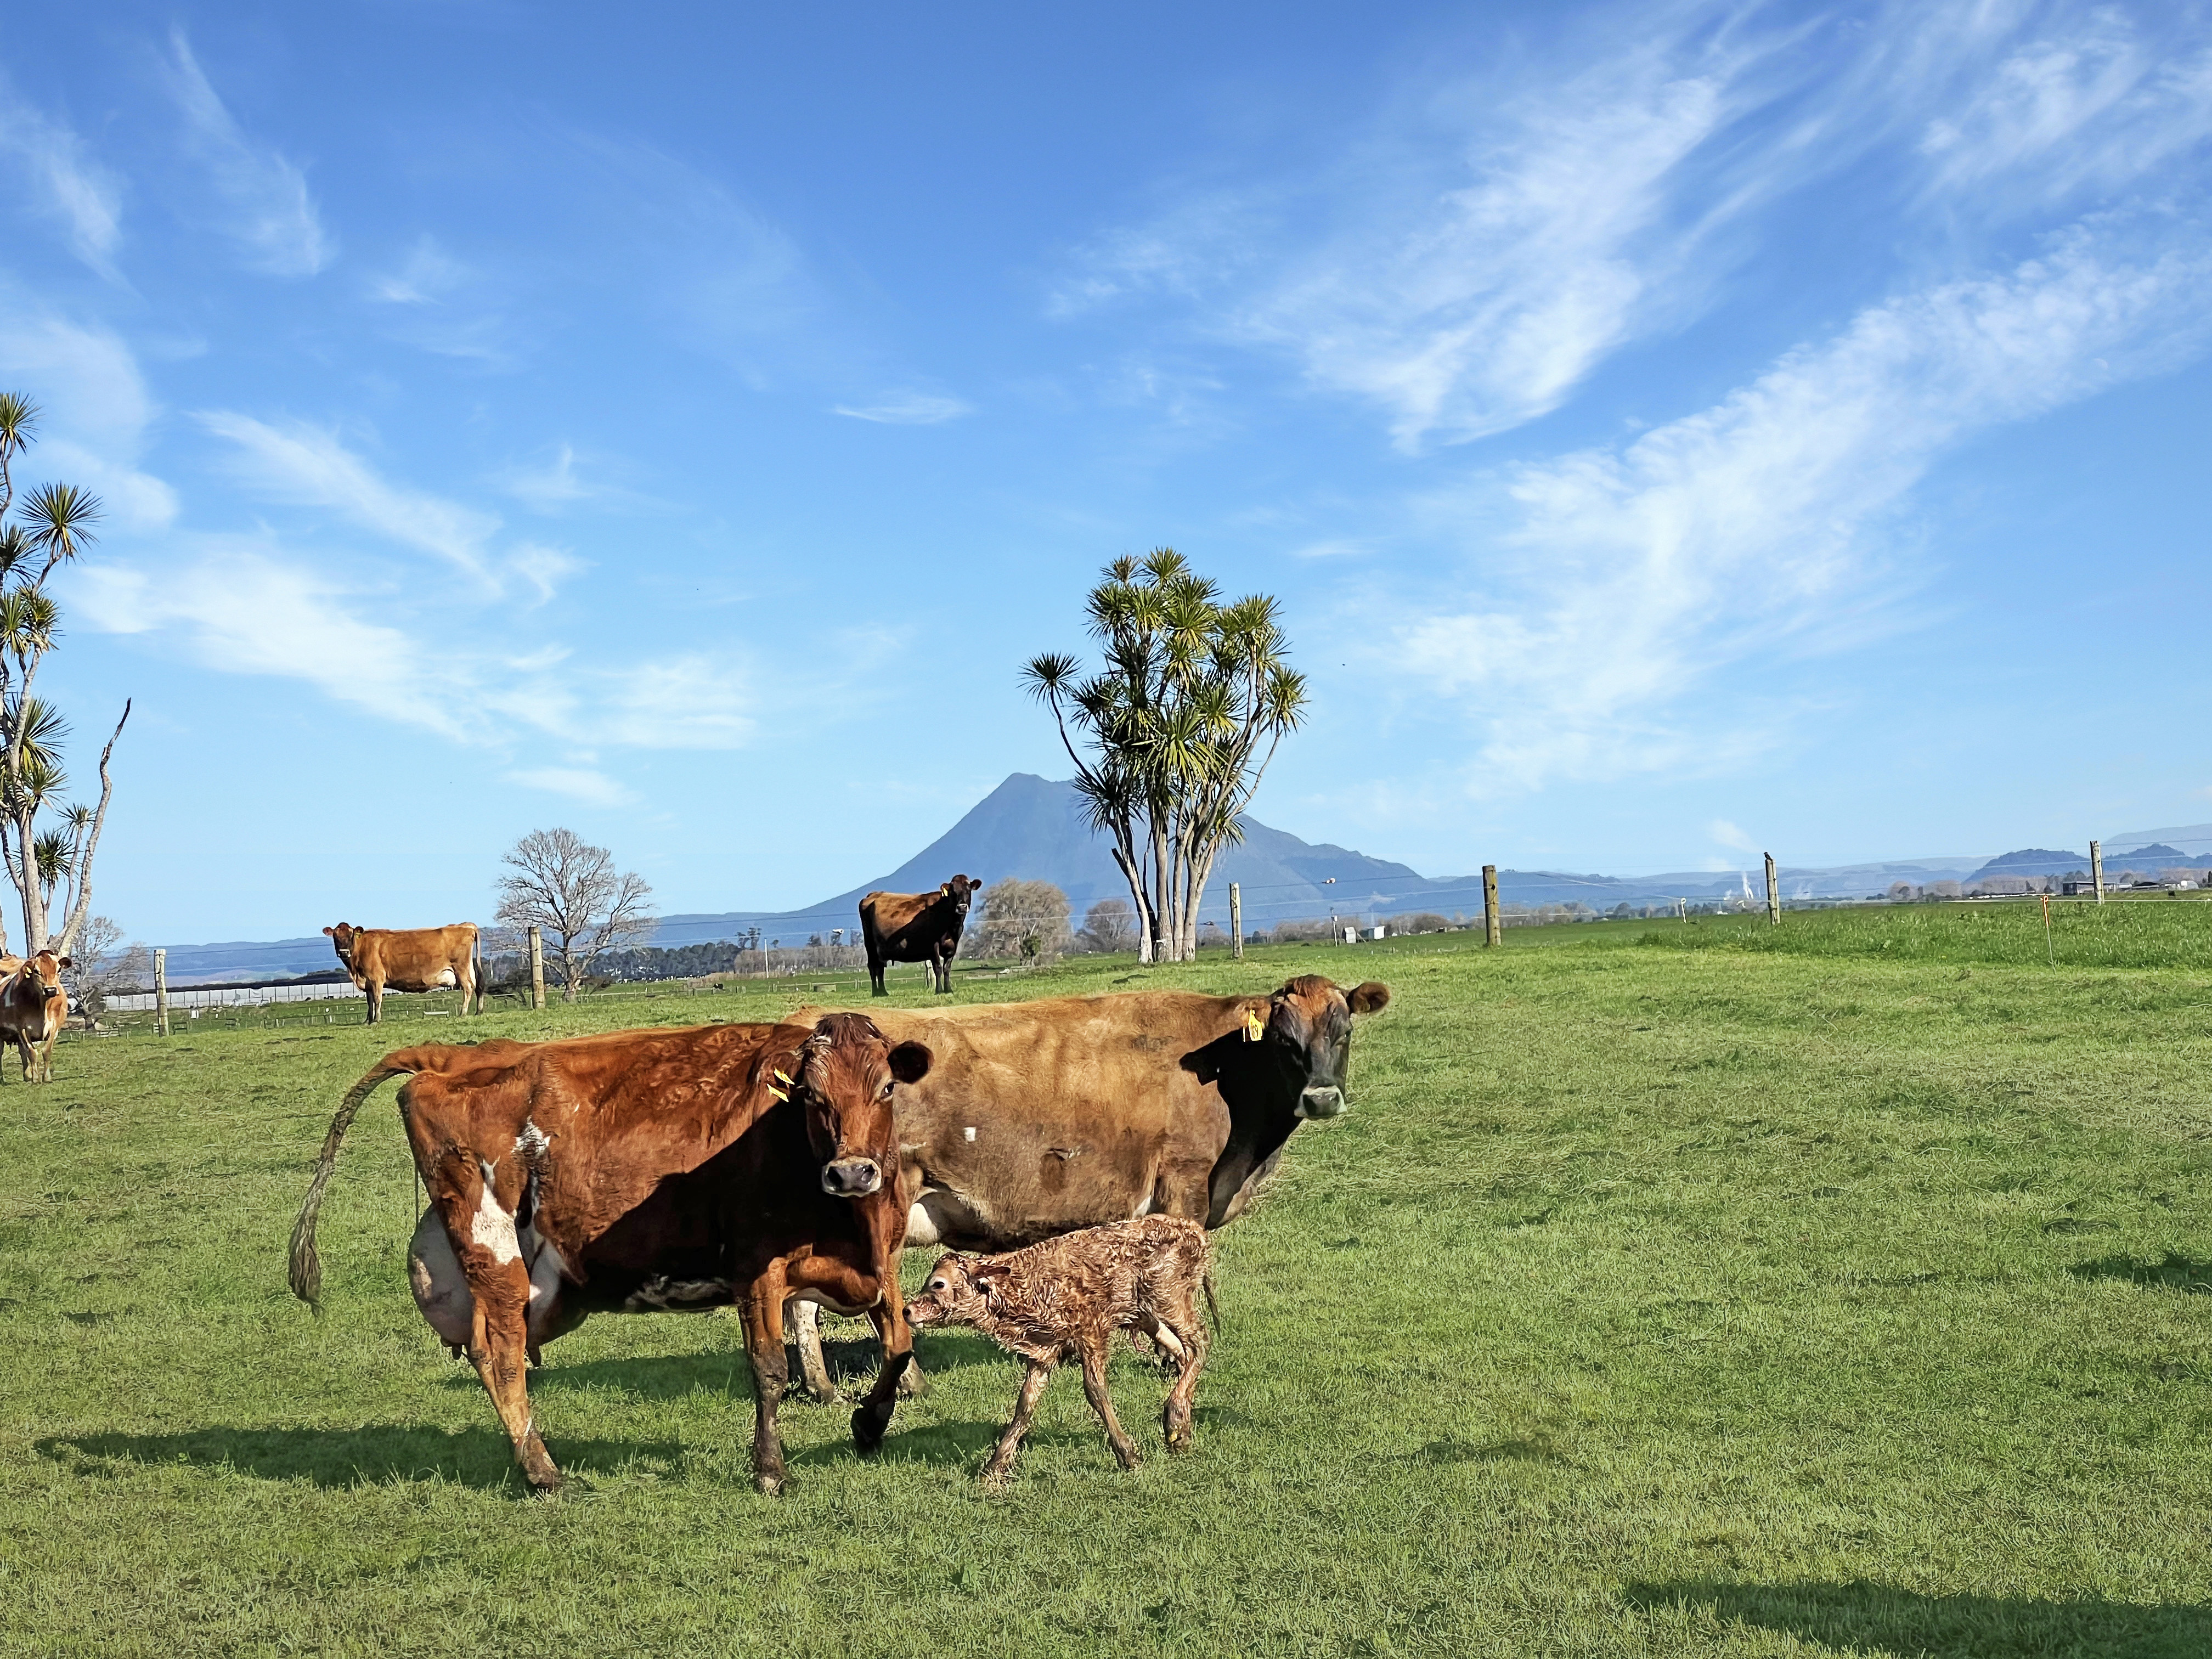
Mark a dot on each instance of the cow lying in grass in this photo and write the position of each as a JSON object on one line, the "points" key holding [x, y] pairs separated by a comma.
{"points": [[1066, 1298]]}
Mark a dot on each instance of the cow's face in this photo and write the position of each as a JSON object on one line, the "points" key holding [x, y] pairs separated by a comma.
{"points": [[960, 891], [45, 971], [958, 1293], [847, 1070], [1307, 1028], [341, 937]]}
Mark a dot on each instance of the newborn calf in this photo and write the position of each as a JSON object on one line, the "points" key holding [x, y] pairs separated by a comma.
{"points": [[1067, 1297]]}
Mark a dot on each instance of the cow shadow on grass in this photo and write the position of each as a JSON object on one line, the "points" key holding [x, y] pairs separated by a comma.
{"points": [[853, 1364], [1876, 1616], [376, 1453], [2173, 1271]]}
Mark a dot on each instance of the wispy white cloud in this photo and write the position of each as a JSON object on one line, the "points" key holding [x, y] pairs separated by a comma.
{"points": [[98, 409], [307, 465], [68, 184], [1473, 255], [1727, 834], [1639, 570], [427, 276], [593, 788], [908, 409], [268, 209], [248, 606], [242, 610]]}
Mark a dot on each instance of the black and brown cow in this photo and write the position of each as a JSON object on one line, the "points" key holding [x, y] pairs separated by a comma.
{"points": [[1040, 1117], [378, 959], [642, 1171], [916, 928], [33, 1008]]}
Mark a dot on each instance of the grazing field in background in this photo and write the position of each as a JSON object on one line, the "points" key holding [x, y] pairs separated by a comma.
{"points": [[1847, 1297]]}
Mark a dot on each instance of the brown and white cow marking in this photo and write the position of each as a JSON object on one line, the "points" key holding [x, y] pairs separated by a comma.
{"points": [[33, 1008], [1067, 1299], [643, 1171], [378, 959]]}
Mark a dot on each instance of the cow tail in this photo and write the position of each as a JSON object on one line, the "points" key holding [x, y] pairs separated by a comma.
{"points": [[307, 1265]]}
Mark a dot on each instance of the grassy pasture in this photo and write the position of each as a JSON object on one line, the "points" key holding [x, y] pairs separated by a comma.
{"points": [[1650, 1301]]}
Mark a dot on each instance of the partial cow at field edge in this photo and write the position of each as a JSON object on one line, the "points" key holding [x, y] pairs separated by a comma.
{"points": [[33, 1008]]}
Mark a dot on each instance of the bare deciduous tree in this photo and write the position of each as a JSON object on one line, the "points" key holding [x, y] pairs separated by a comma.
{"points": [[102, 966], [1110, 925], [571, 892], [1023, 918]]}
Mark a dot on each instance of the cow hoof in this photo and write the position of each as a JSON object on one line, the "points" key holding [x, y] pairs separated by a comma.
{"points": [[993, 1480], [868, 1431], [768, 1485], [827, 1396], [913, 1383]]}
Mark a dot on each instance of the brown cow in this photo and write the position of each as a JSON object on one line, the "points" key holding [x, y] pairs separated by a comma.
{"points": [[645, 1170], [33, 1008], [1067, 1299], [408, 959], [1040, 1117], [916, 928]]}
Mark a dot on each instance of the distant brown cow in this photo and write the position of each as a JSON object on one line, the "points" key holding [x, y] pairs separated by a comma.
{"points": [[642, 1171], [1067, 1299], [33, 1008], [916, 928], [1040, 1117], [408, 959]]}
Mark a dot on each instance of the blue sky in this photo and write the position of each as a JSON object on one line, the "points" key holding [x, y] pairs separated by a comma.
{"points": [[1672, 429]]}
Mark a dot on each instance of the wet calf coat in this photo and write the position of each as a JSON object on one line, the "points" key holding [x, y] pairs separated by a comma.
{"points": [[1067, 1299], [642, 1171]]}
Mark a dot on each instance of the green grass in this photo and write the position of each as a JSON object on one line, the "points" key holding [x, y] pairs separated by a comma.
{"points": [[1649, 1301], [2169, 931]]}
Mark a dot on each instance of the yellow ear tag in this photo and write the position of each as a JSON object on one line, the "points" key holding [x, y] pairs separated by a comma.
{"points": [[1253, 1025], [784, 1093]]}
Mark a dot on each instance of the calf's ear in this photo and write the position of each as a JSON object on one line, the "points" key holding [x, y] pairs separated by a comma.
{"points": [[1366, 999], [66, 963], [910, 1063]]}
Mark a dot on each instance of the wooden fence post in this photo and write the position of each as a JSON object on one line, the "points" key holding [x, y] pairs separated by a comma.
{"points": [[2096, 868], [161, 994], [1236, 921], [1491, 924], [1774, 893], [537, 970]]}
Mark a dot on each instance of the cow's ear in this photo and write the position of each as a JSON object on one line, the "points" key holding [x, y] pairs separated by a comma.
{"points": [[331, 932], [66, 963], [1366, 999], [910, 1063]]}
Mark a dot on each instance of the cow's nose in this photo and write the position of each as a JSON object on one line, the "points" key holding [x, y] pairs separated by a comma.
{"points": [[851, 1177], [1321, 1101]]}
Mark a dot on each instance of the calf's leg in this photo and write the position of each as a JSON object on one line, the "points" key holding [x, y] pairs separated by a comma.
{"points": [[1094, 1390], [1175, 1416], [1000, 1463]]}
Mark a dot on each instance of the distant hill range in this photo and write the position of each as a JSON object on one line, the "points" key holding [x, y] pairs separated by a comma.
{"points": [[1033, 828]]}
